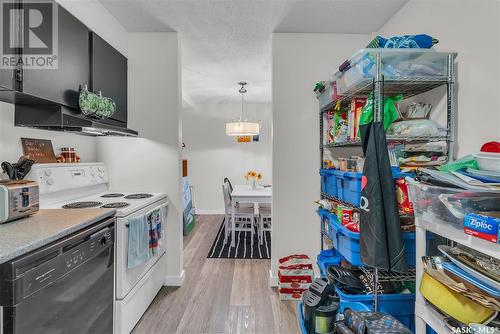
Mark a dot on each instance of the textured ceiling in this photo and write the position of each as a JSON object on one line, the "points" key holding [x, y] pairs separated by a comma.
{"points": [[226, 41]]}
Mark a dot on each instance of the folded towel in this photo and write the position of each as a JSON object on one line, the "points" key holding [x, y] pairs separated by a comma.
{"points": [[154, 224], [138, 250]]}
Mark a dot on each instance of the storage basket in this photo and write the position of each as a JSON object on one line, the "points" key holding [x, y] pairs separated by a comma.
{"points": [[349, 185], [396, 64], [441, 205], [328, 182], [327, 258], [401, 305], [346, 242]]}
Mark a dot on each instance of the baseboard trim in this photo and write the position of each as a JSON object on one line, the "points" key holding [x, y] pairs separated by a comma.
{"points": [[175, 280], [209, 212], [273, 280]]}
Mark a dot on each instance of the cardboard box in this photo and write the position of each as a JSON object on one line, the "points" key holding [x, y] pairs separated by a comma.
{"points": [[291, 294], [293, 285], [484, 227]]}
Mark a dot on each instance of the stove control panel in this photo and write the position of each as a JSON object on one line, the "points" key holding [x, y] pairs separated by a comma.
{"points": [[60, 177]]}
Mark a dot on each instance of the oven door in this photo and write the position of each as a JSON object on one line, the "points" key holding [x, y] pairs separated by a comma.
{"points": [[127, 278]]}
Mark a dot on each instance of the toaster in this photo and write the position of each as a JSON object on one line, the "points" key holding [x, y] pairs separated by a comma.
{"points": [[18, 198]]}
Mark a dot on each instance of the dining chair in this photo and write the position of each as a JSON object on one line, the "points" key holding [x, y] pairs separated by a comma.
{"points": [[243, 205], [265, 220], [226, 180], [244, 217]]}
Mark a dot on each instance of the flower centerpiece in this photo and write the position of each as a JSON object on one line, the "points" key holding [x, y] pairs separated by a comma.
{"points": [[254, 177]]}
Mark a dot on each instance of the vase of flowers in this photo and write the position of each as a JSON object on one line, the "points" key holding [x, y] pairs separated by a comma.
{"points": [[254, 177]]}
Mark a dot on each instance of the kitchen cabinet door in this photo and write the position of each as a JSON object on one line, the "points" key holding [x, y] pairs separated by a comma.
{"points": [[109, 75], [6, 79], [62, 85]]}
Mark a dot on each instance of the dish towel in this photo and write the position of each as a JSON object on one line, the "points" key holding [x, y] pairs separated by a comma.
{"points": [[138, 250], [154, 226]]}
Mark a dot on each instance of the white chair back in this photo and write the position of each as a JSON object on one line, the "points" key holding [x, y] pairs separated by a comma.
{"points": [[227, 198]]}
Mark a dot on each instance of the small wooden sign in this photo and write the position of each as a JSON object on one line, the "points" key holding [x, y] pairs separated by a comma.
{"points": [[39, 150]]}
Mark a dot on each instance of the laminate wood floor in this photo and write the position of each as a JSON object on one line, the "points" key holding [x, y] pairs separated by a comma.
{"points": [[218, 295]]}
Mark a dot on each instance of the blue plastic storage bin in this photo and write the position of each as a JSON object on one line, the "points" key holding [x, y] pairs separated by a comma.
{"points": [[325, 258], [346, 242], [328, 182], [349, 185], [300, 318], [400, 306]]}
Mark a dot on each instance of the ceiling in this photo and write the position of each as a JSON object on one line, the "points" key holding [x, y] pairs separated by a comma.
{"points": [[226, 41]]}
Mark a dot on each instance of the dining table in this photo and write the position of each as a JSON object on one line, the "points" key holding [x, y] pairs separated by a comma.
{"points": [[244, 193]]}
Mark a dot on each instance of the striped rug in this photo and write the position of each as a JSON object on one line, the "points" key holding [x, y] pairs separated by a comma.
{"points": [[244, 248]]}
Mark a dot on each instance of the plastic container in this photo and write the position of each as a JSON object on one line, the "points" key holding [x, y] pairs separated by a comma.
{"points": [[328, 182], [347, 244], [300, 318], [443, 205], [488, 161], [349, 185], [327, 258], [396, 63], [401, 306], [326, 96]]}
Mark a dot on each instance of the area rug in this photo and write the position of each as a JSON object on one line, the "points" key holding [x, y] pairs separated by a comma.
{"points": [[244, 248]]}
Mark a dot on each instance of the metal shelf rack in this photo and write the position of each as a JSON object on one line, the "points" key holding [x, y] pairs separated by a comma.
{"points": [[425, 314], [385, 85], [393, 139]]}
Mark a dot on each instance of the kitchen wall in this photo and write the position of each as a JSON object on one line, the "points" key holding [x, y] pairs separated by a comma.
{"points": [[152, 162], [472, 29], [299, 61], [212, 155], [10, 138]]}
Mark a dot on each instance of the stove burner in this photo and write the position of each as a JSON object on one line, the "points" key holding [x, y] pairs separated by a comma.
{"points": [[112, 195], [82, 205], [115, 205], [138, 196]]}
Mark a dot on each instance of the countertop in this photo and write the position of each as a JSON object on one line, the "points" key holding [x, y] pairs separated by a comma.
{"points": [[24, 235]]}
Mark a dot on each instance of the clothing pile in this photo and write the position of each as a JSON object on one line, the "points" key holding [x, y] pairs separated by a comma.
{"points": [[370, 323], [356, 282]]}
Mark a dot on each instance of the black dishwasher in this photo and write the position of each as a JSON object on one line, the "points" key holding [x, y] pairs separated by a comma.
{"points": [[64, 287]]}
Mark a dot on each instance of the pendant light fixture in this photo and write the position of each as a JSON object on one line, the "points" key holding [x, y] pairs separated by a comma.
{"points": [[242, 126]]}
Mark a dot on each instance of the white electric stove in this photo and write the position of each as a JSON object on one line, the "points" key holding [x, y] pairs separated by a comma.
{"points": [[86, 185]]}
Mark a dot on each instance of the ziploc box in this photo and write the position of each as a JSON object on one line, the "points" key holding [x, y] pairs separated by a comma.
{"points": [[484, 227]]}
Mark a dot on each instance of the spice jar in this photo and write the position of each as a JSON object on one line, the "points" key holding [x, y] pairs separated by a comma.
{"points": [[66, 154], [72, 154]]}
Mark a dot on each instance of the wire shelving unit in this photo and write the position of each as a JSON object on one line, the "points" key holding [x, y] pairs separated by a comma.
{"points": [[381, 86]]}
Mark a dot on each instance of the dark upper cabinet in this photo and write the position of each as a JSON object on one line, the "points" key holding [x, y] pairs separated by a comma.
{"points": [[62, 85], [6, 79], [109, 75]]}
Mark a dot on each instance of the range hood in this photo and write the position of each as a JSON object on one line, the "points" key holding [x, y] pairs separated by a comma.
{"points": [[60, 118]]}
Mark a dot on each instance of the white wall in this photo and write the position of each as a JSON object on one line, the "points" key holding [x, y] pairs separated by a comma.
{"points": [[212, 155], [10, 138], [472, 29], [299, 61], [152, 162]]}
